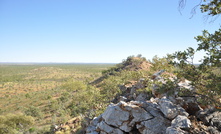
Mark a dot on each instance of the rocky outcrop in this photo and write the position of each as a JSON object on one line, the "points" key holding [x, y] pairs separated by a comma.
{"points": [[154, 116], [158, 116], [138, 113], [123, 117]]}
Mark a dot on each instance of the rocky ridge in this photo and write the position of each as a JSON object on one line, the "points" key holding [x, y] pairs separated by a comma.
{"points": [[135, 112], [163, 114]]}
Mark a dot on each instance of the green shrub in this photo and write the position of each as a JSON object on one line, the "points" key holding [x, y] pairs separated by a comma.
{"points": [[205, 77], [15, 123], [72, 85], [32, 129], [85, 100], [34, 112], [161, 64], [65, 96]]}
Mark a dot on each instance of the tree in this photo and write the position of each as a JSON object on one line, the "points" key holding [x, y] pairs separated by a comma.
{"points": [[205, 79], [211, 7]]}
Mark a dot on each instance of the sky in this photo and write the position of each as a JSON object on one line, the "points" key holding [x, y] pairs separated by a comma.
{"points": [[97, 31]]}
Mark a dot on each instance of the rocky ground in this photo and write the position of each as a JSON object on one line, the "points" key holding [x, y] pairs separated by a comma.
{"points": [[136, 114]]}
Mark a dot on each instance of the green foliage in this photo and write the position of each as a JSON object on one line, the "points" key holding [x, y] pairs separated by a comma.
{"points": [[53, 105], [44, 130], [65, 96], [169, 86], [45, 91], [161, 63], [203, 77], [27, 95], [112, 70], [217, 71], [32, 129], [211, 44], [34, 112], [206, 77], [85, 100], [15, 123], [73, 86], [110, 86], [213, 7]]}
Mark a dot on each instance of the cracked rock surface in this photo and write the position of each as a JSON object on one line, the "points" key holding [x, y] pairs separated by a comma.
{"points": [[155, 116], [142, 117]]}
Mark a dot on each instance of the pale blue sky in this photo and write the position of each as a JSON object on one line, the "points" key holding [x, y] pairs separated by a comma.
{"points": [[95, 31]]}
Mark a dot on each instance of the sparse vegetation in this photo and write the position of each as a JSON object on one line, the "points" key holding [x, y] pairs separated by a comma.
{"points": [[52, 94], [58, 93], [47, 93]]}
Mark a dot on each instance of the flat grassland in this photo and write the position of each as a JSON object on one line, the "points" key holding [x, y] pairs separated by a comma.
{"points": [[23, 86]]}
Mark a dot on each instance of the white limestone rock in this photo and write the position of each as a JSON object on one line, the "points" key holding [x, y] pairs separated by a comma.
{"points": [[115, 116], [157, 125], [181, 122], [168, 108], [103, 127]]}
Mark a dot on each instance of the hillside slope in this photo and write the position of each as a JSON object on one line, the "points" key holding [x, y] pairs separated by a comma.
{"points": [[142, 97]]}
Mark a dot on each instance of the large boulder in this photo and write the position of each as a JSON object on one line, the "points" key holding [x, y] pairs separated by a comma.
{"points": [[125, 115], [114, 115]]}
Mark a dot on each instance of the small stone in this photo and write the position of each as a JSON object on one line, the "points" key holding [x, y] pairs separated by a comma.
{"points": [[125, 127], [181, 111], [104, 127], [181, 122], [90, 129], [173, 130], [122, 98], [141, 97], [212, 130], [96, 120]]}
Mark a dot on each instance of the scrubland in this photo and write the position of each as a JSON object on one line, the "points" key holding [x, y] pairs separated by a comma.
{"points": [[35, 98], [44, 92]]}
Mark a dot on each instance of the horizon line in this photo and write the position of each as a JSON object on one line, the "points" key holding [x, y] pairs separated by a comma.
{"points": [[56, 63]]}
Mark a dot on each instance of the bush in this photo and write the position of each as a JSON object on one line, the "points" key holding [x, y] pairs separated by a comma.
{"points": [[85, 100], [15, 123], [162, 63], [34, 112], [73, 86]]}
